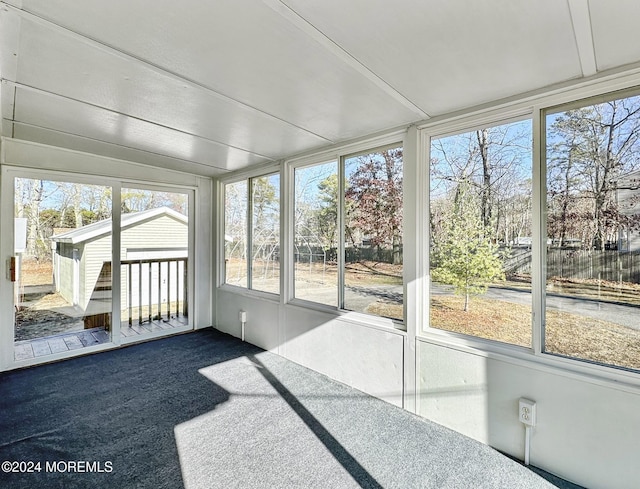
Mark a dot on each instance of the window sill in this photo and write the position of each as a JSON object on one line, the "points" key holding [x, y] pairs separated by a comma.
{"points": [[254, 294], [357, 318]]}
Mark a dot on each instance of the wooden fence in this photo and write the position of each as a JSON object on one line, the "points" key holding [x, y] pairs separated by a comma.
{"points": [[612, 265]]}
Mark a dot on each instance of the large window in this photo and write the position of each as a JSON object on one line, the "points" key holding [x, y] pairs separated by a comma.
{"points": [[315, 241], [80, 280], [480, 232], [265, 233], [593, 232], [252, 233], [357, 266], [373, 233]]}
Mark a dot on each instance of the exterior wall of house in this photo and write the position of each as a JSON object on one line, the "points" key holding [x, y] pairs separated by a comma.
{"points": [[160, 234], [629, 206], [96, 253], [64, 271]]}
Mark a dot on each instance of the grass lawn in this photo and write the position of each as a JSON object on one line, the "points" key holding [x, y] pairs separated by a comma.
{"points": [[566, 334]]}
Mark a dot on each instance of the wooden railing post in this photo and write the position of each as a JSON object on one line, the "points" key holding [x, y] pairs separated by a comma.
{"points": [[149, 299], [140, 292], [185, 287], [130, 293]]}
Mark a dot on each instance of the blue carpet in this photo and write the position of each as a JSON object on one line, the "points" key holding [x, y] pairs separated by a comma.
{"points": [[204, 410]]}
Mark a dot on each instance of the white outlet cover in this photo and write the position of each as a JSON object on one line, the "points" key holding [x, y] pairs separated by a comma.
{"points": [[527, 411]]}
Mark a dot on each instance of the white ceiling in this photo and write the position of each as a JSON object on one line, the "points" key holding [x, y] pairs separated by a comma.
{"points": [[214, 86]]}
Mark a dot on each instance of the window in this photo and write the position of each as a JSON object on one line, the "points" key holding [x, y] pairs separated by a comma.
{"points": [[358, 266], [593, 232], [480, 233], [373, 233], [63, 250], [252, 253], [154, 256], [265, 237], [315, 244], [235, 233]]}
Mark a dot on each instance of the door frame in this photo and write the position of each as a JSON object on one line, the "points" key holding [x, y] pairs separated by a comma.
{"points": [[7, 307]]}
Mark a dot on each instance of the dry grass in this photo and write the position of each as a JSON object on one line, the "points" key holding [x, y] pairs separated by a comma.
{"points": [[385, 309], [603, 290], [566, 334], [493, 320]]}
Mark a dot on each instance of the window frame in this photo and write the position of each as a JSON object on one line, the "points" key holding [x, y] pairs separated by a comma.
{"points": [[338, 155], [535, 107], [10, 171], [577, 103], [455, 129], [248, 177]]}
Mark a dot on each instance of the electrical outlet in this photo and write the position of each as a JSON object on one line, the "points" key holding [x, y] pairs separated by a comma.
{"points": [[243, 316], [527, 411]]}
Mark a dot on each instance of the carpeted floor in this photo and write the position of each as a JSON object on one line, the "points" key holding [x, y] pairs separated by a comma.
{"points": [[204, 410]]}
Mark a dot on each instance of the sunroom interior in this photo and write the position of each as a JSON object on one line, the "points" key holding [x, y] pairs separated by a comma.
{"points": [[432, 202]]}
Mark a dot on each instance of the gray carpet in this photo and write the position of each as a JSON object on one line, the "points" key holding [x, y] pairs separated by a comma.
{"points": [[204, 410]]}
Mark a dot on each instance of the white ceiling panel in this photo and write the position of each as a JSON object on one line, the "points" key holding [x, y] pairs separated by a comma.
{"points": [[615, 27], [244, 49], [57, 62], [72, 117], [214, 86], [101, 148], [446, 56]]}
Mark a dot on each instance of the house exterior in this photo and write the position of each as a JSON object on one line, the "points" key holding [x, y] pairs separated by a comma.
{"points": [[82, 260], [627, 198]]}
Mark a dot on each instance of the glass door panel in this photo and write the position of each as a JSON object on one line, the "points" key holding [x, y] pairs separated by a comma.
{"points": [[154, 261], [62, 262]]}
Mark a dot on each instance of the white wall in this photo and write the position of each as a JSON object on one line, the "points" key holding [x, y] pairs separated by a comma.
{"points": [[586, 432], [365, 357]]}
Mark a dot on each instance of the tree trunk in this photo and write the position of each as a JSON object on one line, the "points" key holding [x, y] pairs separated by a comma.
{"points": [[483, 145]]}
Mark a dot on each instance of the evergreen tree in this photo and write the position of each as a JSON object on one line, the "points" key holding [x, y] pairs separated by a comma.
{"points": [[464, 255]]}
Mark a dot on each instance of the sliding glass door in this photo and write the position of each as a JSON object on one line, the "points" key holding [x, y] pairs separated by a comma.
{"points": [[89, 264]]}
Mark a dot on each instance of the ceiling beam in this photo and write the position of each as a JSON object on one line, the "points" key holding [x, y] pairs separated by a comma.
{"points": [[28, 88], [313, 32], [581, 20], [208, 168]]}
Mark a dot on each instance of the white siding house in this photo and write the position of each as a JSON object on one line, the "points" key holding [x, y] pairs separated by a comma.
{"points": [[83, 255]]}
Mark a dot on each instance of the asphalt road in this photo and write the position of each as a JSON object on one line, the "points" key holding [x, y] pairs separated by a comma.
{"points": [[358, 298]]}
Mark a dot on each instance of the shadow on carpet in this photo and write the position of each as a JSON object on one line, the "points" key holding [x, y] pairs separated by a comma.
{"points": [[204, 410]]}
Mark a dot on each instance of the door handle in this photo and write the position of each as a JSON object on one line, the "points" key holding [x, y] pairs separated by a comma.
{"points": [[11, 269]]}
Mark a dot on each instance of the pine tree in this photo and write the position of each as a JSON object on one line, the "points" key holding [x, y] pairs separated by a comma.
{"points": [[464, 254]]}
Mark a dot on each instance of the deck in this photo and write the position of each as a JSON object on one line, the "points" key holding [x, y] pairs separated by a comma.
{"points": [[41, 347]]}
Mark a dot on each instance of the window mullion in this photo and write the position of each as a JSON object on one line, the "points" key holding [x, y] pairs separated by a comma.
{"points": [[341, 232], [116, 270], [249, 243], [538, 275]]}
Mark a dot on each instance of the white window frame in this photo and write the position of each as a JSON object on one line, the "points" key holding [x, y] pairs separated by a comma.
{"points": [[247, 176], [338, 155], [533, 107]]}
